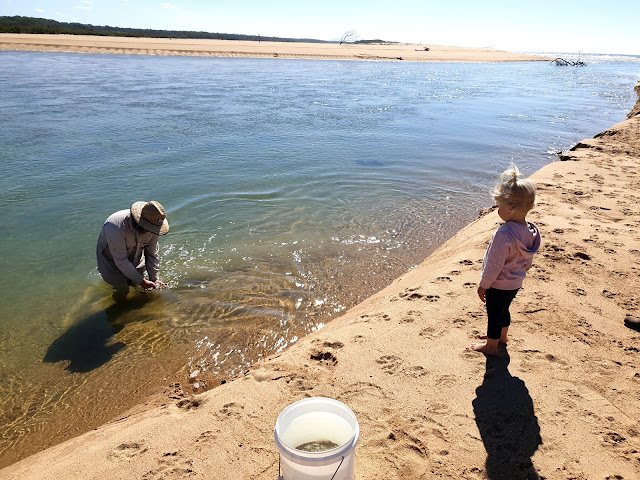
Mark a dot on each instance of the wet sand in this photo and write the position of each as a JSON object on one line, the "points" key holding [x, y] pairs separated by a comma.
{"points": [[234, 48], [560, 402]]}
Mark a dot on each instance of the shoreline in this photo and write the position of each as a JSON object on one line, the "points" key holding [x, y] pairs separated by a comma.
{"points": [[252, 49], [427, 406]]}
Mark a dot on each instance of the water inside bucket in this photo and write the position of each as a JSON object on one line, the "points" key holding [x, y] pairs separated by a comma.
{"points": [[317, 432]]}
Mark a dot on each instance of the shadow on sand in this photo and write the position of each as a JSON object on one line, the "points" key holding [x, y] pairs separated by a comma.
{"points": [[87, 344], [507, 423]]}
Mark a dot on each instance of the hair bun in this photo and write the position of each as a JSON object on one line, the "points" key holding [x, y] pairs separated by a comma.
{"points": [[514, 188]]}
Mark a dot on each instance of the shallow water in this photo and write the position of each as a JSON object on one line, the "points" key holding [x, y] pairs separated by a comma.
{"points": [[294, 189]]}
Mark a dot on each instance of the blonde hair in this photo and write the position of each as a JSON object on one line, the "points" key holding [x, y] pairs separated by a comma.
{"points": [[515, 190]]}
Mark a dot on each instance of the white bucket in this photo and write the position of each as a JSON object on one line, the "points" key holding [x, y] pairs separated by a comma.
{"points": [[315, 420]]}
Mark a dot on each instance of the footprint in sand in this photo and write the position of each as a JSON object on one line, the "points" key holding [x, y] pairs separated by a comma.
{"points": [[443, 279], [579, 292], [459, 322], [128, 450], [419, 435], [416, 372], [430, 332], [324, 358], [172, 465], [230, 409], [323, 354], [302, 385], [175, 391], [189, 403], [390, 363], [206, 437], [412, 294], [362, 393], [411, 317], [446, 380], [377, 317]]}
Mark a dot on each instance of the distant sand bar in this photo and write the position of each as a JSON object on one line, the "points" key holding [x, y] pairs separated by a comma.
{"points": [[234, 48]]}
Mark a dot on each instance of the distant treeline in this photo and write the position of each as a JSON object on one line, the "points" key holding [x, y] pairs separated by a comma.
{"points": [[42, 25], [375, 42]]}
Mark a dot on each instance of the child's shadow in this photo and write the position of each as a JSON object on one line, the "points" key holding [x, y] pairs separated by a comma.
{"points": [[86, 345], [507, 423]]}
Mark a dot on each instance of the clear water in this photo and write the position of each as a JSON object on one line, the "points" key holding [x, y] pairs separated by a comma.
{"points": [[294, 189]]}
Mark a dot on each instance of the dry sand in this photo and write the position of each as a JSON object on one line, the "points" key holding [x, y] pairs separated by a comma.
{"points": [[563, 402], [233, 48]]}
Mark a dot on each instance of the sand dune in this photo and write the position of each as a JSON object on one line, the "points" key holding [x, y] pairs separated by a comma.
{"points": [[561, 403], [233, 48]]}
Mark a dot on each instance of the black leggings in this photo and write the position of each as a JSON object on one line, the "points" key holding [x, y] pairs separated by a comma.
{"points": [[498, 302]]}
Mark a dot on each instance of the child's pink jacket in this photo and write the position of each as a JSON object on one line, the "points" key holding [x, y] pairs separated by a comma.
{"points": [[509, 255]]}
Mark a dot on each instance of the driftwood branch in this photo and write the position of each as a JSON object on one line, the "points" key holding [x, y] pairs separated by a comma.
{"points": [[561, 62]]}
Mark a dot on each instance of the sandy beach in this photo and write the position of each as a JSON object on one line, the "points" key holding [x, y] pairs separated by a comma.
{"points": [[232, 48], [562, 402]]}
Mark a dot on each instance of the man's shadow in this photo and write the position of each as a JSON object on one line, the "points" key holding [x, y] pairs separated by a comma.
{"points": [[87, 344], [507, 423]]}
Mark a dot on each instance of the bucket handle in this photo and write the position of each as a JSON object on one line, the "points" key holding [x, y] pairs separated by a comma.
{"points": [[336, 472], [280, 477]]}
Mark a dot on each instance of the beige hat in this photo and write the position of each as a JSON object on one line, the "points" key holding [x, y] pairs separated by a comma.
{"points": [[150, 216]]}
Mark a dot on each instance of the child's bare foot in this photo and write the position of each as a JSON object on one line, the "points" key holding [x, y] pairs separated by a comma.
{"points": [[485, 348]]}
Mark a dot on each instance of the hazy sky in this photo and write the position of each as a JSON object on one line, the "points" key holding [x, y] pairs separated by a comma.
{"points": [[588, 26]]}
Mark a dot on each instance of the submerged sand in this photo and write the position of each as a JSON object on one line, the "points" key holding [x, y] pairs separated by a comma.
{"points": [[235, 48], [562, 401]]}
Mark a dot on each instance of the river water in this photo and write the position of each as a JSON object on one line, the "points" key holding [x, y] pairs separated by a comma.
{"points": [[294, 189]]}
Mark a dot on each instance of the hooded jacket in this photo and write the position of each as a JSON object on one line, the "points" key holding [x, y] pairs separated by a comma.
{"points": [[509, 255]]}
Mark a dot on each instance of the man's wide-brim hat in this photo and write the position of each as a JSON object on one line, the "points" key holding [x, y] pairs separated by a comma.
{"points": [[150, 216]]}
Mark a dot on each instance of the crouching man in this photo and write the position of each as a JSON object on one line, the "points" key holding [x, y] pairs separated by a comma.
{"points": [[128, 245]]}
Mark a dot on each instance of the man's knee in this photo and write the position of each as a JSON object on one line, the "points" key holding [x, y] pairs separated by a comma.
{"points": [[120, 288], [120, 296]]}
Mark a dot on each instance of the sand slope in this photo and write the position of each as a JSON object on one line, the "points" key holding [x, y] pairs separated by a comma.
{"points": [[562, 403], [235, 48]]}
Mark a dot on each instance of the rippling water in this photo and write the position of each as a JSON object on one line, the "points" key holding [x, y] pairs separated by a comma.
{"points": [[294, 189]]}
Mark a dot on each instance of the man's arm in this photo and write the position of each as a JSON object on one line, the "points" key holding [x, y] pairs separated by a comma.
{"points": [[151, 260]]}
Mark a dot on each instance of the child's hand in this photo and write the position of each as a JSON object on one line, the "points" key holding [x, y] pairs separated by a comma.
{"points": [[482, 293]]}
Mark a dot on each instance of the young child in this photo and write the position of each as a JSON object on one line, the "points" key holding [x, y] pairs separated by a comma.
{"points": [[508, 256]]}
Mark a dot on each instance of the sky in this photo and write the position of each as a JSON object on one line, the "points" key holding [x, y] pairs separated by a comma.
{"points": [[587, 26]]}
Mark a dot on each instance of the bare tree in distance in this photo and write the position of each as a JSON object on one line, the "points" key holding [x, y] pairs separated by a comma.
{"points": [[350, 36]]}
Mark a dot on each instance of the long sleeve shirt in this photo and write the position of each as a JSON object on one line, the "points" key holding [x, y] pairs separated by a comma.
{"points": [[509, 255], [125, 250]]}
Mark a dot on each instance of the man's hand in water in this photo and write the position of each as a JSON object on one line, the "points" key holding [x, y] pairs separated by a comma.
{"points": [[147, 285], [160, 284]]}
